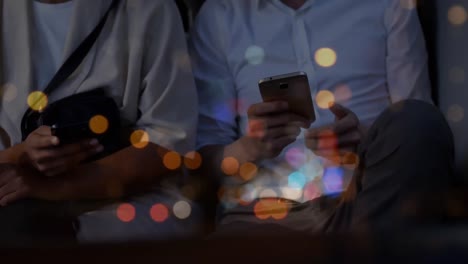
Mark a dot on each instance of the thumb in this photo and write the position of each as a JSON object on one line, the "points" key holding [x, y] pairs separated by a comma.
{"points": [[339, 111]]}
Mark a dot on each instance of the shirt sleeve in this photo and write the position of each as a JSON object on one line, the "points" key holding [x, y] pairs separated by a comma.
{"points": [[407, 62], [213, 77], [168, 99]]}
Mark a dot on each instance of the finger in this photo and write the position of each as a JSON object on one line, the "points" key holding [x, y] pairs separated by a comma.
{"points": [[350, 139], [279, 132], [267, 108], [43, 131], [54, 167], [348, 123], [5, 178], [8, 188], [47, 155], [339, 111], [12, 197], [37, 141]]}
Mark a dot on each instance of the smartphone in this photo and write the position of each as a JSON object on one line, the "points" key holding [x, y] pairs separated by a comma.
{"points": [[72, 133], [293, 88]]}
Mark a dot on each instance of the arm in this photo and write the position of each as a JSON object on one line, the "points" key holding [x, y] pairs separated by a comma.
{"points": [[407, 68], [271, 126], [168, 107], [168, 114]]}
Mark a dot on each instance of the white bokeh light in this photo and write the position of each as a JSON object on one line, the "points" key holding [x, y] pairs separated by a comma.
{"points": [[255, 55]]}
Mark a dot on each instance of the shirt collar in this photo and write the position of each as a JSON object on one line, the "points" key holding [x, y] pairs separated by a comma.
{"points": [[262, 3]]}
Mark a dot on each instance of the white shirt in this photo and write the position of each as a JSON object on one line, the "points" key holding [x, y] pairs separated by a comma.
{"points": [[380, 59], [140, 59], [51, 27]]}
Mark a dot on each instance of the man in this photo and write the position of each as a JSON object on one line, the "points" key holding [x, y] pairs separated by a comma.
{"points": [[361, 58], [140, 57]]}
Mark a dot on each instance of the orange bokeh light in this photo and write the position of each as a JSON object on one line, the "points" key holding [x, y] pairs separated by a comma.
{"points": [[193, 160], [325, 99], [248, 171], [139, 139], [230, 166], [98, 124], [159, 213], [172, 160], [274, 208], [126, 212]]}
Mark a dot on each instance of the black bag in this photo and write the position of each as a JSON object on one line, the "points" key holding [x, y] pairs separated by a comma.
{"points": [[70, 117]]}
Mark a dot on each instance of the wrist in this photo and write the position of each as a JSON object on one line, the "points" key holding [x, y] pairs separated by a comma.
{"points": [[244, 150]]}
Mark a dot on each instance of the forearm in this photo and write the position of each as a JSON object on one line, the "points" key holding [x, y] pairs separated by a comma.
{"points": [[116, 175]]}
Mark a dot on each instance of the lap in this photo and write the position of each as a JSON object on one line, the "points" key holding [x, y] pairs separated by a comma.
{"points": [[152, 216]]}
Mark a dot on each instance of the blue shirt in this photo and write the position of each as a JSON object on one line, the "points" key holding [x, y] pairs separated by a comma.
{"points": [[367, 53]]}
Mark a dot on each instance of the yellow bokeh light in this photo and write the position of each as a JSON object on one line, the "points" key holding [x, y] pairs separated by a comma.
{"points": [[37, 101], [325, 99], [230, 166], [457, 15], [248, 171], [193, 160], [172, 160], [139, 139], [325, 57], [99, 124]]}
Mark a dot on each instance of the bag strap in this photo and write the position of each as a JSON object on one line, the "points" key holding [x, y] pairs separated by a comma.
{"points": [[77, 57]]}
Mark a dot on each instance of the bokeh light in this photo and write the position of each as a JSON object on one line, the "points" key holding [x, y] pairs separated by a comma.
{"points": [[37, 101], [159, 213], [295, 157], [333, 180], [408, 4], [255, 55], [248, 171], [350, 160], [325, 99], [182, 209], [457, 15], [139, 139], [126, 212], [297, 180], [457, 75], [172, 160], [455, 113], [268, 193], [325, 57], [312, 191], [271, 208], [98, 124], [8, 92], [230, 166], [193, 160], [342, 93]]}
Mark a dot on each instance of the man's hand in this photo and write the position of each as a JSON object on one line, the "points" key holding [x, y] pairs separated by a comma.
{"points": [[271, 128], [43, 152], [345, 134], [18, 183]]}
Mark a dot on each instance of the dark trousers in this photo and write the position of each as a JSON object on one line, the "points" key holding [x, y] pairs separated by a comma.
{"points": [[35, 222], [406, 159]]}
